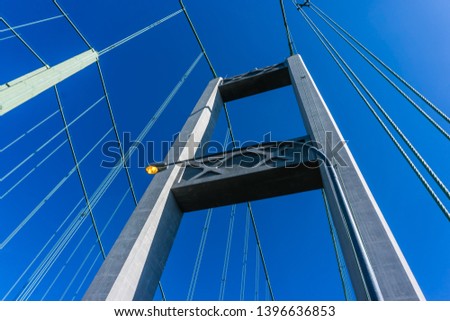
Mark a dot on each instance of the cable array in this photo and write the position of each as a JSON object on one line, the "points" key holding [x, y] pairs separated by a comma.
{"points": [[245, 256], [198, 260], [350, 75], [226, 261], [385, 77], [230, 129], [31, 23], [395, 74]]}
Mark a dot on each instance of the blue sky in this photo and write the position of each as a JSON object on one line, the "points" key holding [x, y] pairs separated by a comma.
{"points": [[412, 37]]}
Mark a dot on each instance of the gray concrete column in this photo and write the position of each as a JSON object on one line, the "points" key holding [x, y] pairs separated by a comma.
{"points": [[376, 265], [135, 264]]}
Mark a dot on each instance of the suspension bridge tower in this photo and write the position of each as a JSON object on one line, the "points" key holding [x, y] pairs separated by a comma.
{"points": [[190, 180]]}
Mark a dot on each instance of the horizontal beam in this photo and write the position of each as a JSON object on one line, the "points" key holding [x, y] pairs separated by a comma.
{"points": [[22, 89], [255, 82], [253, 173]]}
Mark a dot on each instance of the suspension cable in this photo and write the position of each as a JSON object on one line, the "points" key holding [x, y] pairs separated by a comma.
{"points": [[53, 152], [286, 26], [258, 243], [138, 33], [48, 196], [64, 239], [116, 132], [228, 120], [6, 38], [245, 255], [88, 272], [335, 246], [335, 57], [80, 176], [197, 38], [28, 131], [32, 23], [414, 90], [391, 121], [71, 23], [108, 102], [198, 260], [50, 140], [74, 277], [256, 274], [24, 42], [92, 248], [428, 117], [107, 182], [226, 262], [42, 250], [123, 161]]}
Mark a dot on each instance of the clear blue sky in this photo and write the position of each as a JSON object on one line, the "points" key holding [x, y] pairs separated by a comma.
{"points": [[239, 36]]}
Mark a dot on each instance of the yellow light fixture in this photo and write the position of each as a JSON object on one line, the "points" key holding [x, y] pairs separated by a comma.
{"points": [[151, 170]]}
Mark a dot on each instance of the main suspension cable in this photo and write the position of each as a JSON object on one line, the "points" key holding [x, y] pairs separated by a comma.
{"points": [[335, 57], [436, 178], [286, 27], [404, 95], [409, 86], [194, 31]]}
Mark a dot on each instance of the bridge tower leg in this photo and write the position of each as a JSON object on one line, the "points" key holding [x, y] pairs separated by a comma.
{"points": [[135, 264], [376, 265]]}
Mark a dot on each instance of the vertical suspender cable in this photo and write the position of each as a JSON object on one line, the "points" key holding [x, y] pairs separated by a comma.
{"points": [[83, 187], [116, 133], [111, 115], [226, 262], [234, 145], [256, 275], [245, 255], [258, 243], [198, 260]]}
